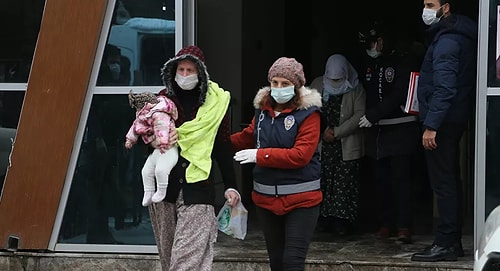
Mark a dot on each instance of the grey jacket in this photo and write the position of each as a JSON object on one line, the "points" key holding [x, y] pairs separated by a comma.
{"points": [[348, 131]]}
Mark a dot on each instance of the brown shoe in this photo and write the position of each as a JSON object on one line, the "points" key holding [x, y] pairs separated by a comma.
{"points": [[404, 236], [383, 233]]}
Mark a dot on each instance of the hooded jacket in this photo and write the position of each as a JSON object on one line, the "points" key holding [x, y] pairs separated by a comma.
{"points": [[447, 81], [188, 103]]}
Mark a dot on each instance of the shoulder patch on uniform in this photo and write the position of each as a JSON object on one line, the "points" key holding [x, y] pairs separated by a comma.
{"points": [[289, 122]]}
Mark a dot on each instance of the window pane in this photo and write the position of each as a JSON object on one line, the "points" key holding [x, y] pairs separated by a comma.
{"points": [[492, 189], [11, 103], [105, 200], [104, 204], [494, 45], [21, 20], [10, 109], [140, 40], [21, 23]]}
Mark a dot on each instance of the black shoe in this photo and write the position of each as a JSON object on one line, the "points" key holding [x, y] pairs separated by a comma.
{"points": [[324, 225], [342, 227], [404, 236], [436, 253]]}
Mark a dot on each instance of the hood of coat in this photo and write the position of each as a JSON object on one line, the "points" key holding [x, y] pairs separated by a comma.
{"points": [[170, 68], [455, 24], [308, 97]]}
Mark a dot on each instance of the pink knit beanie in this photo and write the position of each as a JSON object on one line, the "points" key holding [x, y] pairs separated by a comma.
{"points": [[288, 68]]}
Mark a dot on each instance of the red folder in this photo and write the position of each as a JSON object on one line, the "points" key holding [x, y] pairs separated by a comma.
{"points": [[411, 105]]}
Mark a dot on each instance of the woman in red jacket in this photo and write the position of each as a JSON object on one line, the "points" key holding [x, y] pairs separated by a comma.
{"points": [[282, 141]]}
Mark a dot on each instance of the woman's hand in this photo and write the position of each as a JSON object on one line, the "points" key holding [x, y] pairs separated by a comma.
{"points": [[172, 135], [232, 196], [328, 135]]}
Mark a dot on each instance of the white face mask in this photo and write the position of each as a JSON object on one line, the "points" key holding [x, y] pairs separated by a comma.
{"points": [[429, 16], [186, 82], [338, 87], [115, 70], [373, 52], [283, 95], [337, 83]]}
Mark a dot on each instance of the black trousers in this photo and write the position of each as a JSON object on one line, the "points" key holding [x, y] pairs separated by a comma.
{"points": [[444, 175], [288, 236], [394, 191]]}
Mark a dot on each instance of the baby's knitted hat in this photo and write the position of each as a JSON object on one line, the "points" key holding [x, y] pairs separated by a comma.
{"points": [[138, 100], [288, 68]]}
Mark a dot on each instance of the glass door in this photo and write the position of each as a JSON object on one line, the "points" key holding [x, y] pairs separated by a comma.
{"points": [[103, 211], [487, 122]]}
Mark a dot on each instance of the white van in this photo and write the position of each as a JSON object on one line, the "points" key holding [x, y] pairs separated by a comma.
{"points": [[136, 39]]}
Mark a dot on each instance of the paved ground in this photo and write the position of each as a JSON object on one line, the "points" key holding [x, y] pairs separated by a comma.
{"points": [[360, 248]]}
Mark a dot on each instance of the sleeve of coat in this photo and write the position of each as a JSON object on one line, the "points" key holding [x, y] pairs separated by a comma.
{"points": [[131, 135], [352, 124], [224, 155], [161, 123], [244, 139], [446, 65]]}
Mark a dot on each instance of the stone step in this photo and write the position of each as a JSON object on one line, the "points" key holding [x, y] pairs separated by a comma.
{"points": [[361, 252]]}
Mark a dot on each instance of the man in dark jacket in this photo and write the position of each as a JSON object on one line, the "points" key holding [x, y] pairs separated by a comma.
{"points": [[445, 92]]}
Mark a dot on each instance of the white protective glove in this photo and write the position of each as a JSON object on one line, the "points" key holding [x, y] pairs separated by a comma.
{"points": [[364, 122], [246, 156]]}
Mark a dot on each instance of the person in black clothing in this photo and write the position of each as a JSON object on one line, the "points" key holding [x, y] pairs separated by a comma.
{"points": [[391, 135], [446, 95], [115, 68]]}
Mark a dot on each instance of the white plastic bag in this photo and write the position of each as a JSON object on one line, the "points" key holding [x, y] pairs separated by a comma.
{"points": [[233, 220]]}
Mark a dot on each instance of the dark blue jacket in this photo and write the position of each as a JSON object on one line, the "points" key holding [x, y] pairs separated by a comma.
{"points": [[447, 82]]}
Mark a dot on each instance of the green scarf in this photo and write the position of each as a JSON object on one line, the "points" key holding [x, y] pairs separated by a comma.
{"points": [[197, 136]]}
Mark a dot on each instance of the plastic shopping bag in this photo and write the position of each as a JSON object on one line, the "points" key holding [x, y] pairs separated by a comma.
{"points": [[233, 220]]}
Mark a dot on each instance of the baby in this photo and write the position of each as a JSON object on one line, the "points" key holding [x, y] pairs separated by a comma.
{"points": [[154, 117]]}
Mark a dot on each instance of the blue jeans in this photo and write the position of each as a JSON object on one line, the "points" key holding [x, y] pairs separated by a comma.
{"points": [[288, 236]]}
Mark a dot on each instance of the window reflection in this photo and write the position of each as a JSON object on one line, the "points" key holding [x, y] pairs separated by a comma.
{"points": [[142, 37], [492, 189], [11, 103], [21, 23], [10, 109], [104, 204], [115, 68], [105, 200], [494, 45]]}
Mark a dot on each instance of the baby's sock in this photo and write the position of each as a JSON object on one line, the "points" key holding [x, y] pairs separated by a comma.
{"points": [[160, 194], [146, 200]]}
